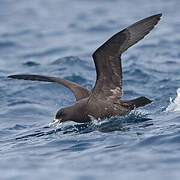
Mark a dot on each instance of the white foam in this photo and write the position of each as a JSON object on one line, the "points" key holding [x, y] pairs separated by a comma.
{"points": [[174, 104]]}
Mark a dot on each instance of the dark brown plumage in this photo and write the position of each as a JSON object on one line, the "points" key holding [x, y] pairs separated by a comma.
{"points": [[105, 98]]}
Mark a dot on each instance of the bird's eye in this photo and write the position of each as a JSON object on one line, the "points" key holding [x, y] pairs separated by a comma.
{"points": [[61, 113]]}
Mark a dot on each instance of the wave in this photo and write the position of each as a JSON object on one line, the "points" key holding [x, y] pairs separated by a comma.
{"points": [[174, 104]]}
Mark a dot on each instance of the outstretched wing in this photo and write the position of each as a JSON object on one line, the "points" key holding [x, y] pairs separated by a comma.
{"points": [[79, 91], [107, 58]]}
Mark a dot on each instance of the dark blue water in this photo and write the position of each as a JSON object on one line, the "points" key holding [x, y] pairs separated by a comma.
{"points": [[57, 38]]}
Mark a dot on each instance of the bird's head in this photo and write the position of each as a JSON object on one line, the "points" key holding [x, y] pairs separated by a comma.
{"points": [[64, 114], [72, 113]]}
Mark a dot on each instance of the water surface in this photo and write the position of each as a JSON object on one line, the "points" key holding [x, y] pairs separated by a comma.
{"points": [[57, 38]]}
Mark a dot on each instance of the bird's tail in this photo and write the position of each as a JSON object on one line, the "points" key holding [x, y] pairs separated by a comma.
{"points": [[141, 101], [138, 102]]}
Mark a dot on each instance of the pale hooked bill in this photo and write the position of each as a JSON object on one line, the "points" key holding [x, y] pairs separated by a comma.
{"points": [[58, 121]]}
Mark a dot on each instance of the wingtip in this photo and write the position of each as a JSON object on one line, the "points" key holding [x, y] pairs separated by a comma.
{"points": [[158, 15], [12, 76], [15, 77]]}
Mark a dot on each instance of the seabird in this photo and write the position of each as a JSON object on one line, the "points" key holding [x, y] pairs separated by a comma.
{"points": [[104, 100]]}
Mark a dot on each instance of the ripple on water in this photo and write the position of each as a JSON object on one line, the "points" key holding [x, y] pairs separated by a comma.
{"points": [[30, 64], [55, 38]]}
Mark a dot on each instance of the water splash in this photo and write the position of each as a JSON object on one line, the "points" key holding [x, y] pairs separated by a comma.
{"points": [[119, 123], [174, 104]]}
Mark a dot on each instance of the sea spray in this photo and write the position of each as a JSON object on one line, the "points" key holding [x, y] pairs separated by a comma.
{"points": [[174, 104]]}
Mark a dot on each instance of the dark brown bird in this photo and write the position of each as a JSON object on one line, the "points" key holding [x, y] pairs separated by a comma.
{"points": [[105, 98]]}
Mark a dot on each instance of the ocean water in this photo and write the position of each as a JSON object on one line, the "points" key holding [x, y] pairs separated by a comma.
{"points": [[57, 38]]}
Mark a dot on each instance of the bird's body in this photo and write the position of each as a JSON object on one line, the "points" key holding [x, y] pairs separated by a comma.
{"points": [[82, 111], [105, 99]]}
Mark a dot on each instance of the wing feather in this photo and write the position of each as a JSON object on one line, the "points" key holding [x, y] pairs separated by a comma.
{"points": [[107, 58], [79, 91]]}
